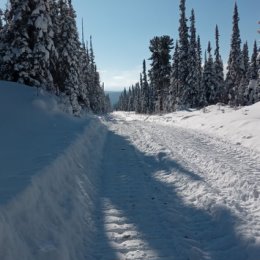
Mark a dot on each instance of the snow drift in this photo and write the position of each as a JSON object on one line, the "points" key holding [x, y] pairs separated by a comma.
{"points": [[48, 178]]}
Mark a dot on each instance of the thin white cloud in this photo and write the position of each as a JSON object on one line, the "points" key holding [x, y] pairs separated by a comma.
{"points": [[116, 80]]}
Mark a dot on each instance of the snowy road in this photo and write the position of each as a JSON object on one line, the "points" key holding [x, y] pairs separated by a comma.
{"points": [[172, 193]]}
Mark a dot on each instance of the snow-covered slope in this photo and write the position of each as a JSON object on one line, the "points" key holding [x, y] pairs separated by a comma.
{"points": [[239, 126], [48, 178]]}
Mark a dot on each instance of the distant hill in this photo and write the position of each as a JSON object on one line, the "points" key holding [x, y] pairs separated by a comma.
{"points": [[114, 96]]}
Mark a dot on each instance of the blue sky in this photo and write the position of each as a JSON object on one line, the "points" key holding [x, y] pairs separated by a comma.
{"points": [[122, 29]]}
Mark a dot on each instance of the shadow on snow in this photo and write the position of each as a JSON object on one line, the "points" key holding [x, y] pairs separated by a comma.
{"points": [[170, 227]]}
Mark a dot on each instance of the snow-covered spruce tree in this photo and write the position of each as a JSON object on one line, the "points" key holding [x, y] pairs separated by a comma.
{"points": [[253, 63], [123, 101], [130, 106], [219, 72], [28, 43], [155, 66], [191, 91], [200, 92], [145, 90], [1, 21], [160, 71], [243, 96], [41, 41], [253, 91], [138, 95], [183, 56], [245, 61], [152, 95], [68, 47], [165, 71], [96, 93], [54, 62], [174, 86], [209, 79], [234, 73], [85, 75], [108, 106], [141, 100]]}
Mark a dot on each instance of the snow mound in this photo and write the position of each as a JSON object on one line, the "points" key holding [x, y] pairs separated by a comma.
{"points": [[239, 126], [48, 178]]}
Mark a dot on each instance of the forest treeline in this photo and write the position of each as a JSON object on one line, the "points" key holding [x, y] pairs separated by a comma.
{"points": [[179, 78]]}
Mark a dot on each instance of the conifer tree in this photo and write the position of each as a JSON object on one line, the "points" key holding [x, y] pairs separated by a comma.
{"points": [[200, 92], [41, 42], [130, 99], [1, 21], [69, 57], [209, 78], [160, 48], [245, 62], [253, 63], [191, 91], [145, 87], [253, 89], [55, 67], [234, 73], [94, 89], [243, 95], [175, 81], [183, 55], [85, 75], [219, 72], [137, 100]]}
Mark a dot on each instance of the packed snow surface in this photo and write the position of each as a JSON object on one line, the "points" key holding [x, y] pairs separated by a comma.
{"points": [[181, 186], [172, 192]]}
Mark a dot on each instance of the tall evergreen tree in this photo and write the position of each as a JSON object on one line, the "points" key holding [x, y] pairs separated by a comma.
{"points": [[145, 87], [137, 100], [245, 62], [191, 91], [69, 57], [253, 89], [175, 81], [219, 71], [243, 96], [183, 55], [209, 78], [234, 73], [55, 67], [94, 88], [160, 48], [200, 92], [253, 63], [1, 21], [41, 42]]}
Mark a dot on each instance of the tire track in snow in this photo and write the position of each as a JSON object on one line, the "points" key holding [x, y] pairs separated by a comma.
{"points": [[217, 174], [132, 221]]}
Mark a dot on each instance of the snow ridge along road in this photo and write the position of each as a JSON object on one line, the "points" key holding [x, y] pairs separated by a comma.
{"points": [[172, 193]]}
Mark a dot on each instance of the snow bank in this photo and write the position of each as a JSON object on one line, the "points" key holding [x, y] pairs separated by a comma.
{"points": [[48, 212], [239, 126]]}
